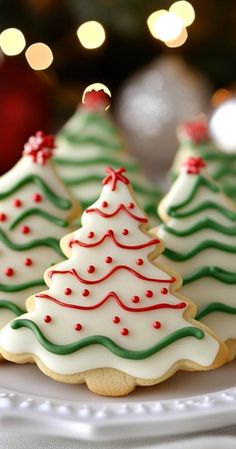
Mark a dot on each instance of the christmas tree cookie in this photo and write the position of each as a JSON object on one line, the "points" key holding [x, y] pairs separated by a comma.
{"points": [[200, 239], [87, 144], [195, 141], [35, 212], [111, 317]]}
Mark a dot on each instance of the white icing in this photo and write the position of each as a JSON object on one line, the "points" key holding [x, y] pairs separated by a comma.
{"points": [[99, 321], [40, 228], [205, 290], [89, 191]]}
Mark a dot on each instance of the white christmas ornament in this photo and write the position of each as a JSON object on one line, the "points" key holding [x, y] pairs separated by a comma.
{"points": [[222, 126]]}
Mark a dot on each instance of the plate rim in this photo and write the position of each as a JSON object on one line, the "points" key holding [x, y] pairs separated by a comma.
{"points": [[102, 421]]}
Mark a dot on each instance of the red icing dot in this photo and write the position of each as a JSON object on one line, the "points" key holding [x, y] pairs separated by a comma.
{"points": [[47, 319], [125, 231], [90, 234], [135, 299], [25, 230], [139, 261], [85, 292], [28, 262], [67, 291], [78, 327], [116, 319], [3, 217], [131, 205], [9, 271], [124, 331], [91, 269], [149, 293], [156, 324], [37, 198], [164, 290], [108, 259], [104, 204], [17, 203]]}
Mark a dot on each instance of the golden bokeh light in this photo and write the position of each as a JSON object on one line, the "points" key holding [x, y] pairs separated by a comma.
{"points": [[180, 40], [91, 34], [184, 10], [12, 41], [164, 25], [39, 56]]}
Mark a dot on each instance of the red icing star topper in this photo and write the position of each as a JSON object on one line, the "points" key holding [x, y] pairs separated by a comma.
{"points": [[195, 131], [96, 99], [114, 176], [39, 147], [193, 165]]}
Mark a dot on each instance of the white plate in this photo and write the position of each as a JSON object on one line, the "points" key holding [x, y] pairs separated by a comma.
{"points": [[188, 402]]}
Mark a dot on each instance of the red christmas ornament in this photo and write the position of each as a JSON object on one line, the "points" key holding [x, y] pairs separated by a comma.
{"points": [[193, 165], [96, 99], [114, 176], [195, 131], [39, 147]]}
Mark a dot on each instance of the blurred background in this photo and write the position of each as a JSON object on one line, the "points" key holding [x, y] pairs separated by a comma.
{"points": [[163, 61]]}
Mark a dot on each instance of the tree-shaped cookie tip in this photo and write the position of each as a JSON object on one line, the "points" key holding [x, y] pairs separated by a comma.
{"points": [[96, 99], [39, 147], [193, 165]]}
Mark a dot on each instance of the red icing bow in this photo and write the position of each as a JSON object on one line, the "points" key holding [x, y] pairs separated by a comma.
{"points": [[193, 165], [114, 176], [39, 147], [96, 99], [195, 131]]}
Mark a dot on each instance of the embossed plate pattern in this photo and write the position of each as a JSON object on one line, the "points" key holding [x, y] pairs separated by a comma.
{"points": [[29, 401]]}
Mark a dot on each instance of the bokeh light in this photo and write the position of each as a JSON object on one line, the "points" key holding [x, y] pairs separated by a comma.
{"points": [[222, 126], [39, 56], [164, 25], [180, 40], [12, 41], [184, 10], [91, 34]]}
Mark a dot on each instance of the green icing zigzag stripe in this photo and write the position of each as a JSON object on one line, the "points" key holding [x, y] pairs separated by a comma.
{"points": [[18, 287], [41, 213], [99, 120], [131, 166], [215, 307], [50, 242], [214, 272], [61, 203], [4, 304], [90, 140], [178, 257], [205, 223], [200, 181], [107, 342]]}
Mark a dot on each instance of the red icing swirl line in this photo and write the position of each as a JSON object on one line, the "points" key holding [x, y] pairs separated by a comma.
{"points": [[74, 273], [110, 234], [113, 295], [112, 214]]}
